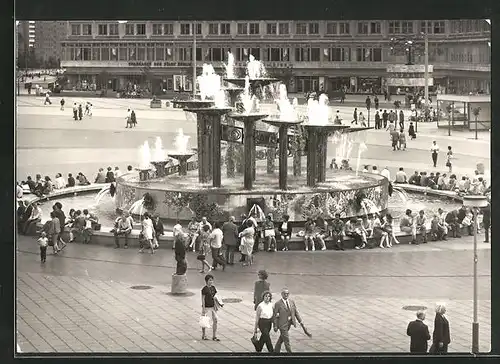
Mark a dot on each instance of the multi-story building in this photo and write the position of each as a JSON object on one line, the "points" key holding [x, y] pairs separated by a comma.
{"points": [[49, 37], [26, 35], [308, 54]]}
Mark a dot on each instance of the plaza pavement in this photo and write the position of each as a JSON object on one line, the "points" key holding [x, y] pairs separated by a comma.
{"points": [[49, 141], [81, 300]]}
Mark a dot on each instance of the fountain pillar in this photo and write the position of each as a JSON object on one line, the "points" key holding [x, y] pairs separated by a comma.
{"points": [[322, 155], [143, 174], [216, 150], [312, 155], [203, 137], [249, 154], [182, 159]]}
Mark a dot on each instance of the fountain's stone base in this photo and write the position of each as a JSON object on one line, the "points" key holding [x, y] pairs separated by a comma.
{"points": [[181, 197], [179, 284]]}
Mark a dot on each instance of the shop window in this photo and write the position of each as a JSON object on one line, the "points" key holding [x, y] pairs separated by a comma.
{"points": [[313, 28], [168, 29], [254, 28], [213, 29], [284, 28], [113, 29], [375, 27], [315, 54], [242, 28], [331, 28], [301, 28], [344, 28], [102, 29], [225, 28], [363, 27], [271, 28]]}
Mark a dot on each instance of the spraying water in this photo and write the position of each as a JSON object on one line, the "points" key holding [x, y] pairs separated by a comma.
{"points": [[220, 99], [246, 97], [287, 109], [230, 65], [318, 112], [137, 207], [103, 192], [158, 153], [145, 156], [253, 67], [209, 82], [361, 148], [343, 145], [181, 142]]}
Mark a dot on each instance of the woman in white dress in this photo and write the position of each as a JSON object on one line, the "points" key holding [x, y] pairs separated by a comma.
{"points": [[147, 232], [247, 242]]}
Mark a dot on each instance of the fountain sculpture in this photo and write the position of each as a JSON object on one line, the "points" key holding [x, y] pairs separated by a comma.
{"points": [[181, 152]]}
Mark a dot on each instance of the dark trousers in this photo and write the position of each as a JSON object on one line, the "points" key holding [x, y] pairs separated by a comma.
{"points": [[385, 124], [117, 234], [230, 249], [454, 228], [356, 237], [434, 158], [265, 338], [75, 115], [435, 349], [486, 232], [43, 253], [338, 240], [216, 258]]}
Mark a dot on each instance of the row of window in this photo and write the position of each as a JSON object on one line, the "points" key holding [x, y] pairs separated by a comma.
{"points": [[161, 52], [283, 28]]}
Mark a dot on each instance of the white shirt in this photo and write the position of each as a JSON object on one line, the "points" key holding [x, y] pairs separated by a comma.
{"points": [[266, 310], [177, 230], [375, 171], [118, 173], [216, 238], [434, 148], [254, 222], [385, 172], [60, 182], [401, 177], [19, 191], [36, 213]]}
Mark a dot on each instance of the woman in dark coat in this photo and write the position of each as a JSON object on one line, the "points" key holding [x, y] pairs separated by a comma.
{"points": [[441, 334], [411, 131]]}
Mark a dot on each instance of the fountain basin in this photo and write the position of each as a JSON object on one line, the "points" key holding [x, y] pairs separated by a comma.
{"points": [[248, 117], [213, 111], [181, 197], [264, 81]]}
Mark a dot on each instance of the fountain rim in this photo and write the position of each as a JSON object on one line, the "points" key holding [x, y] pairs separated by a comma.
{"points": [[279, 122], [206, 109]]}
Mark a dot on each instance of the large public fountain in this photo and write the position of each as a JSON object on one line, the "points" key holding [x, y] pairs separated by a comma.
{"points": [[245, 143]]}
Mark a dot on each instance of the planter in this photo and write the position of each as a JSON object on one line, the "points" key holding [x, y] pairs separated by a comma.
{"points": [[155, 104]]}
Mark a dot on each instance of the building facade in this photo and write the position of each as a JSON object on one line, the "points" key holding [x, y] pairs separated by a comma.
{"points": [[309, 55], [49, 37]]}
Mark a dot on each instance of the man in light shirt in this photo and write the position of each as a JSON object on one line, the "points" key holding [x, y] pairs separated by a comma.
{"points": [[117, 172], [216, 244], [406, 225], [19, 191], [123, 226], [204, 222], [177, 230], [401, 176], [385, 172], [129, 118]]}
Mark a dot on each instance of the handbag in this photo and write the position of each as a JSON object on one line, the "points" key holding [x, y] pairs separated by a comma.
{"points": [[205, 322], [96, 226], [448, 164], [200, 257]]}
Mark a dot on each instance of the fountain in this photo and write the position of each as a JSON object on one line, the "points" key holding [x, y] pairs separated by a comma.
{"points": [[145, 162], [159, 161], [180, 196], [181, 152]]}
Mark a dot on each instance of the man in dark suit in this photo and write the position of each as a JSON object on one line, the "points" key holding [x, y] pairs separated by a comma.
{"points": [[285, 315], [230, 239], [419, 334], [441, 335]]}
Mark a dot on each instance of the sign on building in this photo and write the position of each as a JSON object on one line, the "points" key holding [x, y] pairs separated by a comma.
{"points": [[402, 75]]}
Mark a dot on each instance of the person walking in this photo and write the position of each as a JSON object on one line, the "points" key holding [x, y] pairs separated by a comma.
{"points": [[208, 308], [47, 99], [419, 334], [204, 249], [385, 117], [377, 120], [62, 102], [434, 152], [486, 222], [376, 102], [284, 316], [441, 335], [401, 119], [216, 238], [80, 112], [43, 242], [147, 232], [75, 111], [230, 239], [449, 157], [355, 116], [247, 242], [263, 322], [362, 119], [133, 119], [411, 131], [261, 286], [129, 119], [402, 140]]}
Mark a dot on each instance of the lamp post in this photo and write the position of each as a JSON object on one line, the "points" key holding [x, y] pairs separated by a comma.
{"points": [[475, 202], [194, 60]]}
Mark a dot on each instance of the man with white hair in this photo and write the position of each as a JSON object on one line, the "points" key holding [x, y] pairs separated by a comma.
{"points": [[419, 334], [441, 335], [285, 315]]}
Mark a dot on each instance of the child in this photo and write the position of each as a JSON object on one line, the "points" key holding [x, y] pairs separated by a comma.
{"points": [[43, 242]]}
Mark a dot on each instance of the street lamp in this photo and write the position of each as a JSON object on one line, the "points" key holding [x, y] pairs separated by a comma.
{"points": [[475, 202]]}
